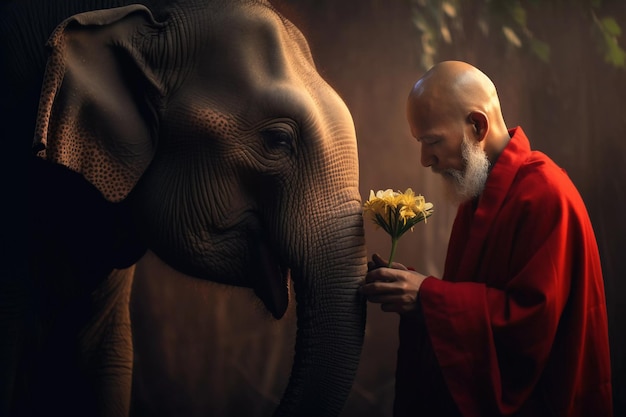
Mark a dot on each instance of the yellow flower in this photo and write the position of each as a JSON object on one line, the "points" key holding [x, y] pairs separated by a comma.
{"points": [[397, 212]]}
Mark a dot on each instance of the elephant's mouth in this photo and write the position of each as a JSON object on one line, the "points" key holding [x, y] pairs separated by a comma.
{"points": [[273, 285]]}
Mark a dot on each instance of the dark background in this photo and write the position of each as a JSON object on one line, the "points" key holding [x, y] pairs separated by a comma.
{"points": [[202, 351]]}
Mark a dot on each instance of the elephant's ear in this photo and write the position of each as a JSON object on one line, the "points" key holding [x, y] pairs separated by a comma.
{"points": [[98, 111]]}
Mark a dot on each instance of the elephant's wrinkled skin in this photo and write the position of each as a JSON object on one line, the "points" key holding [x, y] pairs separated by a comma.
{"points": [[198, 130]]}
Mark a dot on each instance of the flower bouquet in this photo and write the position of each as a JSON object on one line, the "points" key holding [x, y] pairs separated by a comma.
{"points": [[397, 212]]}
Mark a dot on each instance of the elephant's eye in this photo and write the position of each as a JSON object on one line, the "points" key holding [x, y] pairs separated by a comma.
{"points": [[279, 136]]}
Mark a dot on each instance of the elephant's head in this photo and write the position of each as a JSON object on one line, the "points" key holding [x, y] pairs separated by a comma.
{"points": [[237, 159]]}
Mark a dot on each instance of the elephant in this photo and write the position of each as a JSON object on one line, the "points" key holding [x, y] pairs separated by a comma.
{"points": [[198, 130]]}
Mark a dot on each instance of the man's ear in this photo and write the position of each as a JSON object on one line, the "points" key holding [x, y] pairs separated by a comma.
{"points": [[480, 124]]}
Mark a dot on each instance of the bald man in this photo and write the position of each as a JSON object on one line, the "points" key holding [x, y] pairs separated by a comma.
{"points": [[517, 325]]}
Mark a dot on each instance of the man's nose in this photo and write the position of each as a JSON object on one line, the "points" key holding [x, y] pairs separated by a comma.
{"points": [[427, 158]]}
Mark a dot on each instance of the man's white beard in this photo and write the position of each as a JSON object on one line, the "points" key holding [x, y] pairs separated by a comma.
{"points": [[464, 185]]}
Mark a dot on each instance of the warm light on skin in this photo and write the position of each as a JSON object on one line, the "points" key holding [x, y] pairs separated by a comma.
{"points": [[438, 131], [451, 101]]}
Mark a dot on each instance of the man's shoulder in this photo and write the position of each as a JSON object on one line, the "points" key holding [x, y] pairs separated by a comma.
{"points": [[542, 181], [540, 169]]}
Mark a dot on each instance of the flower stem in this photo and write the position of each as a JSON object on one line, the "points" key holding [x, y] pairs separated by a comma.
{"points": [[394, 242]]}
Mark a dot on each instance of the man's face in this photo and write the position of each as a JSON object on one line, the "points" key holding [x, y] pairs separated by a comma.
{"points": [[460, 161], [448, 147]]}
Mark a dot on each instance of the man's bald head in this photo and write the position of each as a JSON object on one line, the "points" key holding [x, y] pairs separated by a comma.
{"points": [[461, 94], [457, 84]]}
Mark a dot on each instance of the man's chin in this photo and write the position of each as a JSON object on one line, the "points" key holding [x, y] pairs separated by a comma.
{"points": [[448, 174], [452, 192]]}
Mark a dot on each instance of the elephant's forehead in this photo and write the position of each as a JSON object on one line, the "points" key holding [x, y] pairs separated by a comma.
{"points": [[254, 65], [253, 46]]}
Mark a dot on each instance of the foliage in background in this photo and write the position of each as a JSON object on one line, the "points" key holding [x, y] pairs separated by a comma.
{"points": [[440, 22]]}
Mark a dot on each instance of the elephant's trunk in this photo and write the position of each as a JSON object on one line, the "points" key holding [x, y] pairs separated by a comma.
{"points": [[331, 322]]}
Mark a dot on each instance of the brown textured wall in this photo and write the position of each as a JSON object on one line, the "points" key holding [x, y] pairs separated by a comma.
{"points": [[201, 351]]}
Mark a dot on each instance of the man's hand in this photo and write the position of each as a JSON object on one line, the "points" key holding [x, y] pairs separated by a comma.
{"points": [[394, 288]]}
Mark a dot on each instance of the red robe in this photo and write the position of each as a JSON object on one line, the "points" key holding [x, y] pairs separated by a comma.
{"points": [[518, 323]]}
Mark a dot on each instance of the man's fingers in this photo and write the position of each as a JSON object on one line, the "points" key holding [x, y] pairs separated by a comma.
{"points": [[379, 274], [378, 287], [378, 260], [397, 265]]}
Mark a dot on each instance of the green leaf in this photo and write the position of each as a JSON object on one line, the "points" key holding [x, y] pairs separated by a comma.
{"points": [[610, 26], [614, 54], [420, 23], [518, 13], [382, 223], [540, 49]]}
